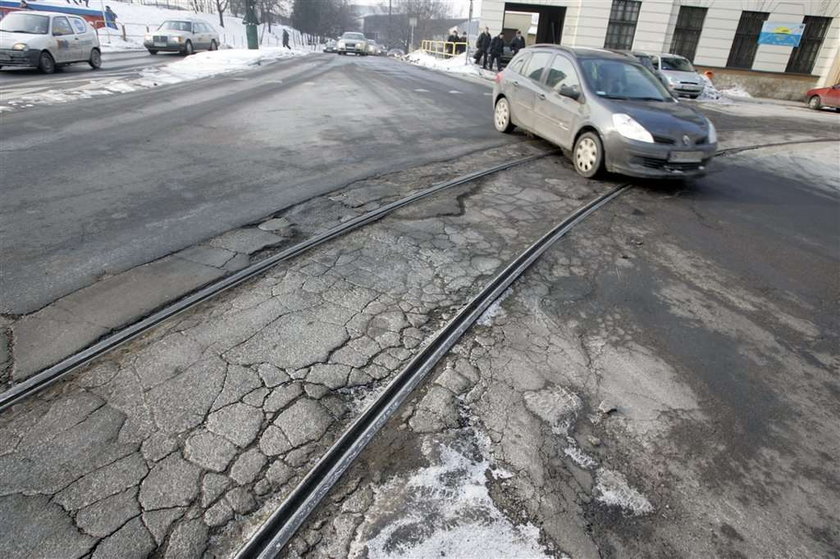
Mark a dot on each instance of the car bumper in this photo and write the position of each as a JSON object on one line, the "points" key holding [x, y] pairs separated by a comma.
{"points": [[683, 89], [169, 47], [358, 50], [640, 159], [20, 59]]}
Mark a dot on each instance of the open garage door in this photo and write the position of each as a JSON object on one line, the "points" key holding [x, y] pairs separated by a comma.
{"points": [[549, 27]]}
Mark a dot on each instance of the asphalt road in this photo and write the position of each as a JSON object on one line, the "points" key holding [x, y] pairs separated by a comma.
{"points": [[105, 184]]}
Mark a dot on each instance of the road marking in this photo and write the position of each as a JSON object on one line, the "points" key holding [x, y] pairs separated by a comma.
{"points": [[455, 92], [487, 94], [239, 79], [421, 90], [278, 82]]}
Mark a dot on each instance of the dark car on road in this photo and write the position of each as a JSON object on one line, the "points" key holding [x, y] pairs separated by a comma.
{"points": [[608, 110]]}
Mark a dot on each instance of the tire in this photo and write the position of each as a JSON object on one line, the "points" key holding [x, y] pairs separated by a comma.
{"points": [[213, 45], [588, 155], [95, 59], [693, 96], [46, 63], [501, 116], [188, 48], [815, 102], [152, 52]]}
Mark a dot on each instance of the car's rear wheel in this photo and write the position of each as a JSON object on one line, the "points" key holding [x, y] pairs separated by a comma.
{"points": [[95, 59], [46, 63], [152, 51], [188, 48], [815, 102], [213, 45], [501, 116], [588, 155]]}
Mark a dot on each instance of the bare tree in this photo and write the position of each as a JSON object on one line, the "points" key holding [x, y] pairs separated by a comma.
{"points": [[221, 6]]}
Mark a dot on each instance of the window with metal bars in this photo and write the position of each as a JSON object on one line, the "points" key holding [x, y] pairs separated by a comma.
{"points": [[622, 26], [745, 45], [687, 31], [804, 56]]}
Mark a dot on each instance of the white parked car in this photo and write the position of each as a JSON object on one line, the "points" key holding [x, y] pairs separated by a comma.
{"points": [[182, 35], [681, 76], [46, 40]]}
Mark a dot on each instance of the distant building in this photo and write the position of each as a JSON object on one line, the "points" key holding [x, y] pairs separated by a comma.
{"points": [[394, 31], [717, 35]]}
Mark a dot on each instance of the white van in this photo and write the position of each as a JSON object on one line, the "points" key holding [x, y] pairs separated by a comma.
{"points": [[45, 40]]}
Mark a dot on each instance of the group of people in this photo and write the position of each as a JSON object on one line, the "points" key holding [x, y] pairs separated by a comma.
{"points": [[459, 42], [487, 46]]}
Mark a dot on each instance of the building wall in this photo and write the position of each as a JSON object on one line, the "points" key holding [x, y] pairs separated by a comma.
{"points": [[586, 26]]}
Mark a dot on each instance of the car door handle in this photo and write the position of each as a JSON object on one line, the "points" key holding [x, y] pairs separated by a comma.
{"points": [[541, 96]]}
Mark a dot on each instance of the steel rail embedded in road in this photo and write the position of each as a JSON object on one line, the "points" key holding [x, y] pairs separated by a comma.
{"points": [[275, 533], [52, 374]]}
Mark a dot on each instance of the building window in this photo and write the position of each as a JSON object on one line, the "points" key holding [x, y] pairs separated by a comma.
{"points": [[687, 31], [622, 26], [804, 56], [745, 44]]}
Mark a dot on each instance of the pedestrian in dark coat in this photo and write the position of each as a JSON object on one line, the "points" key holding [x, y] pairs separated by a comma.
{"points": [[481, 46], [460, 48], [517, 43], [286, 40], [451, 40], [497, 47]]}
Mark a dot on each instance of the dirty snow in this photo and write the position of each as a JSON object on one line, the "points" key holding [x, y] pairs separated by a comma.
{"points": [[494, 311], [578, 456], [816, 165], [453, 65], [451, 515], [612, 489]]}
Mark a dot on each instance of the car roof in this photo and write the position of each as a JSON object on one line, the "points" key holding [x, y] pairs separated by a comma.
{"points": [[579, 52], [43, 13], [671, 55]]}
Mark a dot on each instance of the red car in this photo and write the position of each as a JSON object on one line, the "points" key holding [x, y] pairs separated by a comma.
{"points": [[824, 97]]}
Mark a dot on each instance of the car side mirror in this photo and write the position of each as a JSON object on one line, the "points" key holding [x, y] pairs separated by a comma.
{"points": [[570, 92]]}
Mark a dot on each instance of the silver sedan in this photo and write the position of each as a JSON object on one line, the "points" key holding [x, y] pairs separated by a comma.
{"points": [[609, 111], [182, 35]]}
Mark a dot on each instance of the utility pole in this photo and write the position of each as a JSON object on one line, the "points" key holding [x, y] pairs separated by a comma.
{"points": [[250, 21], [469, 27], [390, 29]]}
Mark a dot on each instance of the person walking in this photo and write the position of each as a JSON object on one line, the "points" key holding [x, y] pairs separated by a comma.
{"points": [[450, 42], [497, 47], [286, 39], [110, 17], [481, 46], [518, 42]]}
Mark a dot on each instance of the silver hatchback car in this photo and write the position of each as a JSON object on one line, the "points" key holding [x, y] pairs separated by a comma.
{"points": [[608, 110], [47, 40], [182, 35]]}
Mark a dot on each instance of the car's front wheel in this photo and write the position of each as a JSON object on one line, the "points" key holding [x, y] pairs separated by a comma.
{"points": [[815, 102], [152, 51], [588, 155], [46, 63], [95, 59], [501, 116], [213, 45], [188, 48]]}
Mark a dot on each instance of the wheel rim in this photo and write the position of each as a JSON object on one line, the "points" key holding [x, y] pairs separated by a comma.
{"points": [[188, 48], [502, 115], [815, 102], [586, 154], [96, 58], [46, 62]]}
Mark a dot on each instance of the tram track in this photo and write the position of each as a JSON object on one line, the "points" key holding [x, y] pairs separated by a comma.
{"points": [[272, 536], [50, 375]]}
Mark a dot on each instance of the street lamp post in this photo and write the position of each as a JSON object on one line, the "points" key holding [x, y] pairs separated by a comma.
{"points": [[469, 27], [412, 22]]}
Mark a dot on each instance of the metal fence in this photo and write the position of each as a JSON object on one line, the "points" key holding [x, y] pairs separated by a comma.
{"points": [[443, 48]]}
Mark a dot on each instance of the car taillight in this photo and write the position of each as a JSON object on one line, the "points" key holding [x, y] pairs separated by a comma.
{"points": [[499, 77]]}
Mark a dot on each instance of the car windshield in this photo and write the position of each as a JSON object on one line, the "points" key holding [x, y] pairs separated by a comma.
{"points": [[677, 64], [617, 79], [357, 36], [17, 22], [176, 25]]}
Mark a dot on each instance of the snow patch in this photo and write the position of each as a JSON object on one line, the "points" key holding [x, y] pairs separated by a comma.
{"points": [[556, 406], [579, 457], [494, 310], [453, 64], [451, 514], [612, 489]]}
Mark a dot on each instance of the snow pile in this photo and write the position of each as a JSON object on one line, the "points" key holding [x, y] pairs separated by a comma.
{"points": [[711, 93], [447, 511], [453, 64], [205, 64], [612, 489], [736, 91]]}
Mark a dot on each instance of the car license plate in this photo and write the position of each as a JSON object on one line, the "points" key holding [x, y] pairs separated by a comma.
{"points": [[686, 156]]}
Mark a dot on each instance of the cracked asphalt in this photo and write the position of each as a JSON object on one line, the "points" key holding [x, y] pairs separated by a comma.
{"points": [[662, 383]]}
